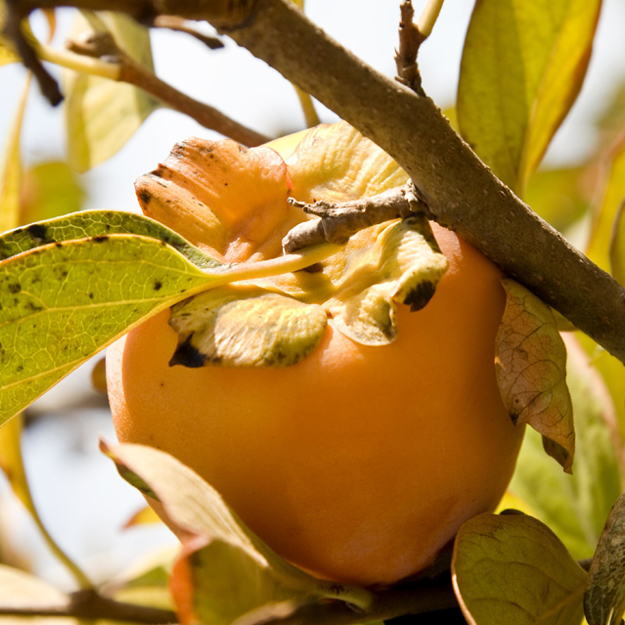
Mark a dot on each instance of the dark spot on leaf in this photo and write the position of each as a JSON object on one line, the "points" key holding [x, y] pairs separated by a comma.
{"points": [[144, 196], [158, 285], [33, 307], [58, 245], [420, 296], [18, 231], [90, 295], [100, 239], [187, 355], [14, 288], [37, 231], [107, 227], [19, 368]]}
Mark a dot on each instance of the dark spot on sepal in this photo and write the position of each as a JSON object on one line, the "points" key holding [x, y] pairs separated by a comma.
{"points": [[420, 296], [144, 196], [188, 355]]}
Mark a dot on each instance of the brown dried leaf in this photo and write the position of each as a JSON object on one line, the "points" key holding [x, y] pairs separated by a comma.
{"points": [[531, 372]]}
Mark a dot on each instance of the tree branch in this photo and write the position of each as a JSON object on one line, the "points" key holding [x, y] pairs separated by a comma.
{"points": [[90, 605], [339, 221], [461, 192], [103, 46]]}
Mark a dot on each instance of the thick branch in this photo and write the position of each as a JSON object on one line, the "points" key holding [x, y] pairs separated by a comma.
{"points": [[90, 605]]}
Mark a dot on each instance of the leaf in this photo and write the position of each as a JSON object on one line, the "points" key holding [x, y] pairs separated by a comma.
{"points": [[531, 372], [605, 219], [21, 590], [522, 67], [245, 326], [225, 570], [49, 190], [512, 569], [11, 174], [145, 516], [575, 506], [101, 115], [604, 602], [561, 196], [69, 296]]}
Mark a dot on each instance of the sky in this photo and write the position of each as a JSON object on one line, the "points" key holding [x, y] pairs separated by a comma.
{"points": [[81, 498]]}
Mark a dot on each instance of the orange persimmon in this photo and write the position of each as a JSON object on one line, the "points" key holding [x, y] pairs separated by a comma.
{"points": [[359, 463]]}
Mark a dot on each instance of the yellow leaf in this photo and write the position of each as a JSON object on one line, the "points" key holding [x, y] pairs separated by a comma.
{"points": [[522, 67], [513, 570], [605, 218], [531, 371], [101, 115]]}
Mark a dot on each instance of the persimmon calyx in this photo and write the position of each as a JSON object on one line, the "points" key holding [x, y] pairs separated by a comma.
{"points": [[266, 323]]}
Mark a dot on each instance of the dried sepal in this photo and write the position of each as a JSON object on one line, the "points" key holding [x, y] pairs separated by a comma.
{"points": [[245, 326]]}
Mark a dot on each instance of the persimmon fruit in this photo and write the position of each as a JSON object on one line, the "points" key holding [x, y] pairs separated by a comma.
{"points": [[359, 463]]}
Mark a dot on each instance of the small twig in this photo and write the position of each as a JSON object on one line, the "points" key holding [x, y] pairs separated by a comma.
{"points": [[90, 605], [411, 36], [410, 40], [102, 46], [178, 24], [339, 221], [13, 30]]}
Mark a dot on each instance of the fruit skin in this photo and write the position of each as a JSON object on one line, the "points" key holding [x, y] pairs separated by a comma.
{"points": [[358, 464]]}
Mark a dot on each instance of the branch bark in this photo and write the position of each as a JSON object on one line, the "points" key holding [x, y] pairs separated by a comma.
{"points": [[461, 192], [90, 605]]}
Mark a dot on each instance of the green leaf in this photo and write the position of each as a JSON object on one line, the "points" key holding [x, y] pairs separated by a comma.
{"points": [[512, 569], [49, 190], [604, 602], [225, 571], [245, 326], [575, 506], [605, 218], [101, 115], [73, 292], [522, 67], [561, 196], [531, 371]]}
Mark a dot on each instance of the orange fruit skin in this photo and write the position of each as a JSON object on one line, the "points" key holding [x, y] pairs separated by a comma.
{"points": [[358, 464]]}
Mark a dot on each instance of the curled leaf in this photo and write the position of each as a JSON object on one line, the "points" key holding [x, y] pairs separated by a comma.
{"points": [[241, 326], [513, 569], [225, 571], [403, 265], [531, 372], [604, 602]]}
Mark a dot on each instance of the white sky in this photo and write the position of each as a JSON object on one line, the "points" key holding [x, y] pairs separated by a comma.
{"points": [[80, 496]]}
